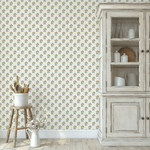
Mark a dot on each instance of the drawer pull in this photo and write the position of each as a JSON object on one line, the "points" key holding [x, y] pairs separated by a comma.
{"points": [[147, 118]]}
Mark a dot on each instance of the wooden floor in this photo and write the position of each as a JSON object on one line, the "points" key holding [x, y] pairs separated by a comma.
{"points": [[62, 144]]}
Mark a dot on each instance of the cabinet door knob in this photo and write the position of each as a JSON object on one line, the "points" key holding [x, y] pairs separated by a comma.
{"points": [[142, 118], [147, 51], [142, 51], [147, 118]]}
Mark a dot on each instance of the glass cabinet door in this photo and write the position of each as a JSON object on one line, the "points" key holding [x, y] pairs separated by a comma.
{"points": [[125, 51], [147, 51]]}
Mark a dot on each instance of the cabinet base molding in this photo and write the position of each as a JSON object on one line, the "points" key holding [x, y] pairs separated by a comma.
{"points": [[145, 95], [123, 141]]}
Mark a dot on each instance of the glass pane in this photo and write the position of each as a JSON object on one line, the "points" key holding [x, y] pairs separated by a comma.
{"points": [[149, 75], [125, 52], [149, 29], [122, 49], [149, 39], [149, 52], [125, 75], [125, 28]]}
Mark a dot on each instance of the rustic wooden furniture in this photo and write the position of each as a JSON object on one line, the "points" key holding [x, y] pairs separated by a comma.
{"points": [[16, 121], [124, 110]]}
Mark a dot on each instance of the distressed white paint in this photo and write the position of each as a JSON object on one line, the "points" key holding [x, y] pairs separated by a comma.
{"points": [[122, 109]]}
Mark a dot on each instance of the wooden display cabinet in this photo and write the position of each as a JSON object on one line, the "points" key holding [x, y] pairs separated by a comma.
{"points": [[124, 110]]}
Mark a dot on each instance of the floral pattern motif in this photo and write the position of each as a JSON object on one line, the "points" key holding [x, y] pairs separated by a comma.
{"points": [[53, 46]]}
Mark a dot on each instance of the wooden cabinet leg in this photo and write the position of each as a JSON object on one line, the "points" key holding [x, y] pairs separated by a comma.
{"points": [[16, 125], [10, 124], [25, 121], [30, 114]]}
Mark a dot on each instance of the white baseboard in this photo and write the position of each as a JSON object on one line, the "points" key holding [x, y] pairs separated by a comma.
{"points": [[56, 134]]}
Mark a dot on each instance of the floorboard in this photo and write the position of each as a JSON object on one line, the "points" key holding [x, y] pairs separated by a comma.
{"points": [[24, 145], [10, 144], [85, 144], [42, 144], [3, 143]]}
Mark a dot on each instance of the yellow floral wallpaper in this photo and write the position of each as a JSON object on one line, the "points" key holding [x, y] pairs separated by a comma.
{"points": [[53, 46]]}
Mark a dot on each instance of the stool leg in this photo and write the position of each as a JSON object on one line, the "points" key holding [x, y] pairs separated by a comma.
{"points": [[10, 124], [30, 114], [16, 125], [25, 119]]}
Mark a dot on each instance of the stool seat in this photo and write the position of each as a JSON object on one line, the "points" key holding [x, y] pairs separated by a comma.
{"points": [[26, 107], [16, 121]]}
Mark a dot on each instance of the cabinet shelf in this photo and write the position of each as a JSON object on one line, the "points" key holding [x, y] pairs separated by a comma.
{"points": [[124, 39], [125, 65], [124, 86], [125, 42]]}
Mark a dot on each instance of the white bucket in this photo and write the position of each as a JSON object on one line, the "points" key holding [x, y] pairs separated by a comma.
{"points": [[20, 99]]}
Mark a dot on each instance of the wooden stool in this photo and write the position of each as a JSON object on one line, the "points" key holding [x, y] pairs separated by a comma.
{"points": [[16, 121]]}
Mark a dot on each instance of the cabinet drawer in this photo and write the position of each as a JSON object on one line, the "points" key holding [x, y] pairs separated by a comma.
{"points": [[124, 117]]}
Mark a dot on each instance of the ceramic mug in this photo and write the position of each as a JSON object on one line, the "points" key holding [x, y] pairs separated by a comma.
{"points": [[119, 81], [131, 33]]}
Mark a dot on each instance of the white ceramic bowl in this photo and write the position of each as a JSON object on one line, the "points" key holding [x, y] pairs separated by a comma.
{"points": [[119, 81]]}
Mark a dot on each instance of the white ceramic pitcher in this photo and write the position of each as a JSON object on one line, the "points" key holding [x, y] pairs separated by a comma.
{"points": [[131, 79], [34, 137]]}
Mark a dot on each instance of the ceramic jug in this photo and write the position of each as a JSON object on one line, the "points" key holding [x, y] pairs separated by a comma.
{"points": [[124, 58], [34, 137], [131, 79], [116, 56]]}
